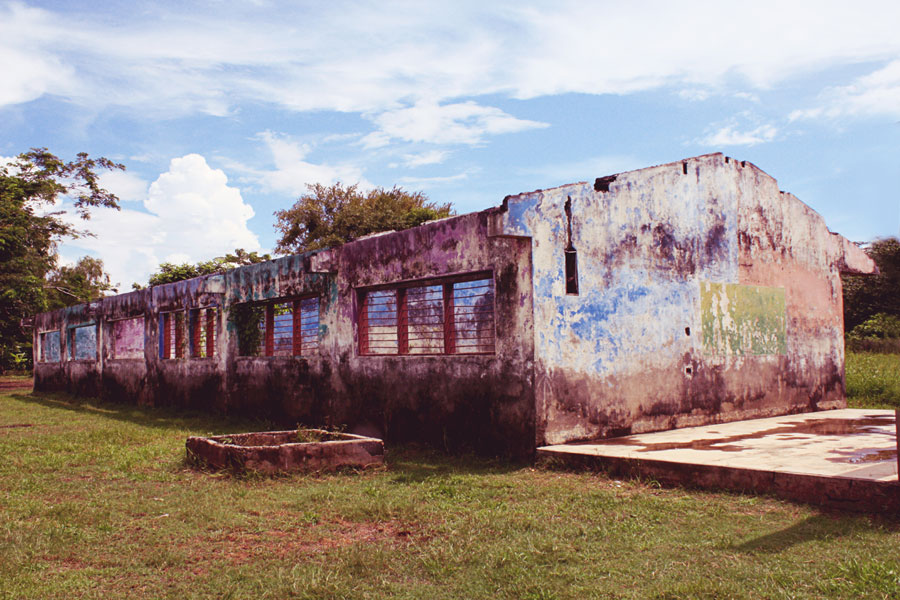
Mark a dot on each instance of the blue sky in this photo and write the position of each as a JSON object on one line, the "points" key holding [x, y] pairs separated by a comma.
{"points": [[223, 111]]}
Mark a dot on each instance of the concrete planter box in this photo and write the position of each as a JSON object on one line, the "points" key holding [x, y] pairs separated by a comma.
{"points": [[284, 451]]}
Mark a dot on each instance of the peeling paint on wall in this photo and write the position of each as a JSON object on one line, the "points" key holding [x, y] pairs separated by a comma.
{"points": [[703, 294], [742, 320]]}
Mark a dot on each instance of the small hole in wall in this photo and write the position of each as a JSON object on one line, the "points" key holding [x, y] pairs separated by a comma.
{"points": [[743, 163], [688, 370], [684, 168], [687, 331], [726, 160]]}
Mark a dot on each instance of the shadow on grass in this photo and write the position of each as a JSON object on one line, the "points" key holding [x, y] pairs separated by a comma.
{"points": [[822, 527], [163, 418], [406, 463]]}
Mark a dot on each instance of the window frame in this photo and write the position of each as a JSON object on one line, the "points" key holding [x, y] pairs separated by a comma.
{"points": [[112, 328], [200, 344], [42, 344], [166, 341], [451, 336], [299, 348], [71, 346]]}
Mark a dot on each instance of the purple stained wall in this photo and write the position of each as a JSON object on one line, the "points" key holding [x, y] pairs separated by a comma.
{"points": [[682, 294], [481, 401]]}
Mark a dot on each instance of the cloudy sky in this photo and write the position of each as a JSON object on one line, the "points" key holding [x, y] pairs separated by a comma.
{"points": [[223, 110]]}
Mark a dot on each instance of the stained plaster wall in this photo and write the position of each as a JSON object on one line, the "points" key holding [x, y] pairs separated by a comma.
{"points": [[705, 295], [480, 401]]}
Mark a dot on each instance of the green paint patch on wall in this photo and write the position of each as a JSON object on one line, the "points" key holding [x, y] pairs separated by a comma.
{"points": [[742, 320]]}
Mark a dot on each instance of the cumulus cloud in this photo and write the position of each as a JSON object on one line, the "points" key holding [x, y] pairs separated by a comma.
{"points": [[128, 187], [459, 123], [191, 214], [877, 93]]}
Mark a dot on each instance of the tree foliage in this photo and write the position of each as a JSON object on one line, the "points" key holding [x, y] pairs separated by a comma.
{"points": [[170, 272], [31, 188], [868, 295], [85, 281], [331, 215]]}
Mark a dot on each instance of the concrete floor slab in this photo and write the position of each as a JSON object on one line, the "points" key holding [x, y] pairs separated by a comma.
{"points": [[845, 458]]}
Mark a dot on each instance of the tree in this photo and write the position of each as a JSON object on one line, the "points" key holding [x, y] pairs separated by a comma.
{"points": [[30, 229], [331, 215], [86, 281], [170, 272], [868, 295]]}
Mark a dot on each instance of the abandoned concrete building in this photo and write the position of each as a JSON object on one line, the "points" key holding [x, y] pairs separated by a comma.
{"points": [[683, 294]]}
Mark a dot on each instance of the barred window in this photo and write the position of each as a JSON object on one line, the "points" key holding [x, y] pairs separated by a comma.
{"points": [[278, 328], [454, 316], [203, 332], [171, 334]]}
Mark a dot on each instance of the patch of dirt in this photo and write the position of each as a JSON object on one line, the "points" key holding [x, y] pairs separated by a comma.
{"points": [[242, 546], [16, 384]]}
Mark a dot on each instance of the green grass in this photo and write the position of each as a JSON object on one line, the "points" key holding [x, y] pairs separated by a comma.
{"points": [[873, 380], [96, 502]]}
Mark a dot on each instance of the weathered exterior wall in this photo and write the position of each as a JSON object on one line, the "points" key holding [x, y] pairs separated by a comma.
{"points": [[705, 295], [481, 401]]}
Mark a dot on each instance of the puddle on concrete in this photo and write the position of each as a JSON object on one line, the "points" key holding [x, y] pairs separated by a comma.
{"points": [[865, 455], [795, 431]]}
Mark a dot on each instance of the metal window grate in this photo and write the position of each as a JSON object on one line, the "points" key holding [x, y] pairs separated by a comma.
{"points": [[203, 332], [171, 326], [473, 316], [306, 326], [289, 328], [456, 317], [379, 321]]}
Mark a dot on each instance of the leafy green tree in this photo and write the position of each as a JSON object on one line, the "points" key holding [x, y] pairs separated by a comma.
{"points": [[170, 272], [331, 215], [30, 229], [869, 295], [85, 281]]}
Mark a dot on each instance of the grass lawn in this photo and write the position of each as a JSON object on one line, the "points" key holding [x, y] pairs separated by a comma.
{"points": [[873, 380], [96, 502]]}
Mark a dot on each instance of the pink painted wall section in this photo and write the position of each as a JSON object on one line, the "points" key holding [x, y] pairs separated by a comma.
{"points": [[128, 338]]}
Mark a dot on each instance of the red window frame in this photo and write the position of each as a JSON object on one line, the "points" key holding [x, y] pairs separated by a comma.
{"points": [[401, 319]]}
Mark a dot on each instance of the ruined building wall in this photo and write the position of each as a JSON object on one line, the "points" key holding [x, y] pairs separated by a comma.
{"points": [[704, 295], [178, 344]]}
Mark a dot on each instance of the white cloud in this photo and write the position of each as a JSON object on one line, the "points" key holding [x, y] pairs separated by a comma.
{"points": [[730, 135], [192, 215], [877, 93], [459, 123], [292, 172], [127, 186], [381, 57], [432, 157]]}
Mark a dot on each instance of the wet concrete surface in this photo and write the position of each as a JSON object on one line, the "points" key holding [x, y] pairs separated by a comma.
{"points": [[841, 457]]}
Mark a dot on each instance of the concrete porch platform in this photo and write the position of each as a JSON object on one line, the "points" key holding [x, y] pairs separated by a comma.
{"points": [[840, 458]]}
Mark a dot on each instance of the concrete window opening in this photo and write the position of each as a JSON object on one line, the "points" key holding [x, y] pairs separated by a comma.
{"points": [[49, 346], [128, 338], [82, 342], [453, 317], [171, 334], [203, 332], [570, 253], [279, 328]]}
